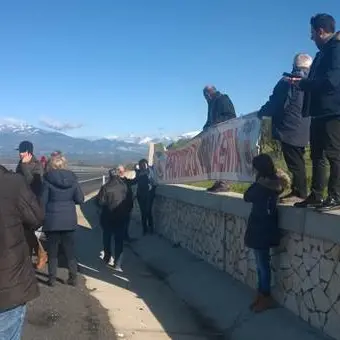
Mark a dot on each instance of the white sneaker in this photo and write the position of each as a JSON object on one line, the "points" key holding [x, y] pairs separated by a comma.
{"points": [[102, 254], [111, 263]]}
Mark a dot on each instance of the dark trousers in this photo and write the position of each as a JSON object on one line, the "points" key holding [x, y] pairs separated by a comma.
{"points": [[116, 229], [67, 240], [325, 144], [294, 158], [262, 259], [145, 203], [127, 224]]}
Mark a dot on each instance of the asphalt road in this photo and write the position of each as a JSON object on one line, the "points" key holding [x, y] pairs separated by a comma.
{"points": [[64, 312]]}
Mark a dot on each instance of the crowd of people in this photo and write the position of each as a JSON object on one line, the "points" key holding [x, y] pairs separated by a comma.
{"points": [[305, 109]]}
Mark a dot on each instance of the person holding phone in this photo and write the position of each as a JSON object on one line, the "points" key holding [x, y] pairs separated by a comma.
{"points": [[322, 104], [289, 127]]}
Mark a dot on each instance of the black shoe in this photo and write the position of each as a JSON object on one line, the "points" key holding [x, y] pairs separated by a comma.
{"points": [[219, 187], [51, 282], [72, 281], [329, 204], [310, 202]]}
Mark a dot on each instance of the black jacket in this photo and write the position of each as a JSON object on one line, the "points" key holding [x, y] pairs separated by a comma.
{"points": [[262, 230], [115, 198], [285, 109], [322, 87], [61, 193], [145, 183], [33, 174], [18, 207], [220, 109]]}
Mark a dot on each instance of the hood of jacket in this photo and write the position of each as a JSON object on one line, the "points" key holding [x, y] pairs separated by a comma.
{"points": [[61, 178], [278, 184]]}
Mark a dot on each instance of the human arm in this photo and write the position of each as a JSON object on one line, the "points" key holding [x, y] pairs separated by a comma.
{"points": [[330, 78], [225, 107], [31, 212], [78, 195], [276, 100], [251, 195]]}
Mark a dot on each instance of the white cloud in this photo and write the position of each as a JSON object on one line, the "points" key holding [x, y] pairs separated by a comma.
{"points": [[59, 126]]}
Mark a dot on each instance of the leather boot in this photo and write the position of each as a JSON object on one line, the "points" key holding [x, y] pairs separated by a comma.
{"points": [[264, 303], [256, 300]]}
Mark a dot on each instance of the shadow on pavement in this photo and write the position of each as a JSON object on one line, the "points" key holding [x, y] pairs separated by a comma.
{"points": [[136, 280]]}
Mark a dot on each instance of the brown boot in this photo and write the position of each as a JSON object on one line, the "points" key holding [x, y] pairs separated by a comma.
{"points": [[256, 301], [41, 259], [264, 303]]}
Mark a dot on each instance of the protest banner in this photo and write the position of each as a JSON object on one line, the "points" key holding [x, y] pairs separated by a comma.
{"points": [[223, 152]]}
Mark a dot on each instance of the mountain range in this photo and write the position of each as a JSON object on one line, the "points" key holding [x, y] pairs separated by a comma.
{"points": [[94, 151]]}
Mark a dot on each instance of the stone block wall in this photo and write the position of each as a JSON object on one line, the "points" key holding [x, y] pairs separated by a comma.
{"points": [[306, 269]]}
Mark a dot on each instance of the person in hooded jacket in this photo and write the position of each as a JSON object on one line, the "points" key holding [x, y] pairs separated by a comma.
{"points": [[61, 193], [290, 127], [19, 209], [263, 232], [115, 198]]}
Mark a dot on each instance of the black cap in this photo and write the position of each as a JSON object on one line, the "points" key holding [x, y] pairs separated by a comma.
{"points": [[25, 146]]}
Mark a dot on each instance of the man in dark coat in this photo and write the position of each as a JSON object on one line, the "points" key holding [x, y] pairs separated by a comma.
{"points": [[220, 109], [31, 169], [19, 209], [322, 103], [115, 199], [289, 126]]}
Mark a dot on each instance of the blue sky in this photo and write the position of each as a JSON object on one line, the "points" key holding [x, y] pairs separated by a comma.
{"points": [[121, 67]]}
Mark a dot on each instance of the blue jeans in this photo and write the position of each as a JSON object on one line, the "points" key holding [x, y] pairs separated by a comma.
{"points": [[11, 322], [262, 258]]}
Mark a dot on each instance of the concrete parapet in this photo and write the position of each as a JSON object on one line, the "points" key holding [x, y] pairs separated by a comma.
{"points": [[306, 269]]}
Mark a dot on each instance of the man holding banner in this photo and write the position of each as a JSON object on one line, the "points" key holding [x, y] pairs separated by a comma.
{"points": [[220, 109]]}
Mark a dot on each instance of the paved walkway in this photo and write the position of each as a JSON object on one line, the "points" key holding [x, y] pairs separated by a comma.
{"points": [[139, 304]]}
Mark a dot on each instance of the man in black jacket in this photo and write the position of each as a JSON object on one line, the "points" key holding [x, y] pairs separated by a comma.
{"points": [[19, 209], [31, 169], [115, 199], [220, 109], [322, 103], [289, 127]]}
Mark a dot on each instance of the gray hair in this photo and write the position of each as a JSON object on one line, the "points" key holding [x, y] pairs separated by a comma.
{"points": [[302, 60]]}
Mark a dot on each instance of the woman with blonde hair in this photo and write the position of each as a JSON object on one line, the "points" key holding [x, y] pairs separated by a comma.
{"points": [[61, 194]]}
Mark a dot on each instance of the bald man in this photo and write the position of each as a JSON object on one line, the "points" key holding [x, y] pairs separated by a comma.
{"points": [[220, 109]]}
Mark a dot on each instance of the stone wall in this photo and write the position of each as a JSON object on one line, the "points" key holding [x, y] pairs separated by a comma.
{"points": [[306, 269]]}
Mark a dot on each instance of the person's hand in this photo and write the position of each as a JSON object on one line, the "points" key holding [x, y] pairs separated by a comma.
{"points": [[27, 158], [293, 81]]}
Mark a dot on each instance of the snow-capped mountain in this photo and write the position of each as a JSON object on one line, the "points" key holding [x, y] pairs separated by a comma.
{"points": [[112, 149], [132, 139]]}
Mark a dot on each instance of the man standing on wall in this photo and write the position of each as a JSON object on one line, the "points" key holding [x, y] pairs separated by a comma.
{"points": [[220, 109], [31, 169], [322, 103]]}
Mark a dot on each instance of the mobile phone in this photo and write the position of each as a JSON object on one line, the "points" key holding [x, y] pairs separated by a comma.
{"points": [[290, 75]]}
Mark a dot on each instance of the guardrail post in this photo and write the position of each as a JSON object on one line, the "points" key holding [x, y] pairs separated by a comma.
{"points": [[104, 181]]}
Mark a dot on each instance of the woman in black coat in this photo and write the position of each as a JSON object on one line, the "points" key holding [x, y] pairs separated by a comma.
{"points": [[61, 193], [263, 231]]}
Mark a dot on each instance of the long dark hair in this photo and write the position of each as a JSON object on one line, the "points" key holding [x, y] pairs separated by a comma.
{"points": [[264, 166]]}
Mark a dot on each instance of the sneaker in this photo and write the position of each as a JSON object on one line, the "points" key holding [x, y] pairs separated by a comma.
{"points": [[310, 202], [111, 262], [329, 204], [118, 268]]}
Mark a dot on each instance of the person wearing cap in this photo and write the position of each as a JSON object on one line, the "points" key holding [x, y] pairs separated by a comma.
{"points": [[115, 199], [220, 109], [31, 169], [289, 126]]}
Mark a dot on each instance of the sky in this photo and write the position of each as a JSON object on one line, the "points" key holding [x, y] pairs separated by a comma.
{"points": [[114, 68]]}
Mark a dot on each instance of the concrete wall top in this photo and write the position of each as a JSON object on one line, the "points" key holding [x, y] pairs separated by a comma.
{"points": [[325, 226]]}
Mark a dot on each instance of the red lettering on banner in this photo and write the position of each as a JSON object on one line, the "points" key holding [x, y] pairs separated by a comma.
{"points": [[226, 157]]}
